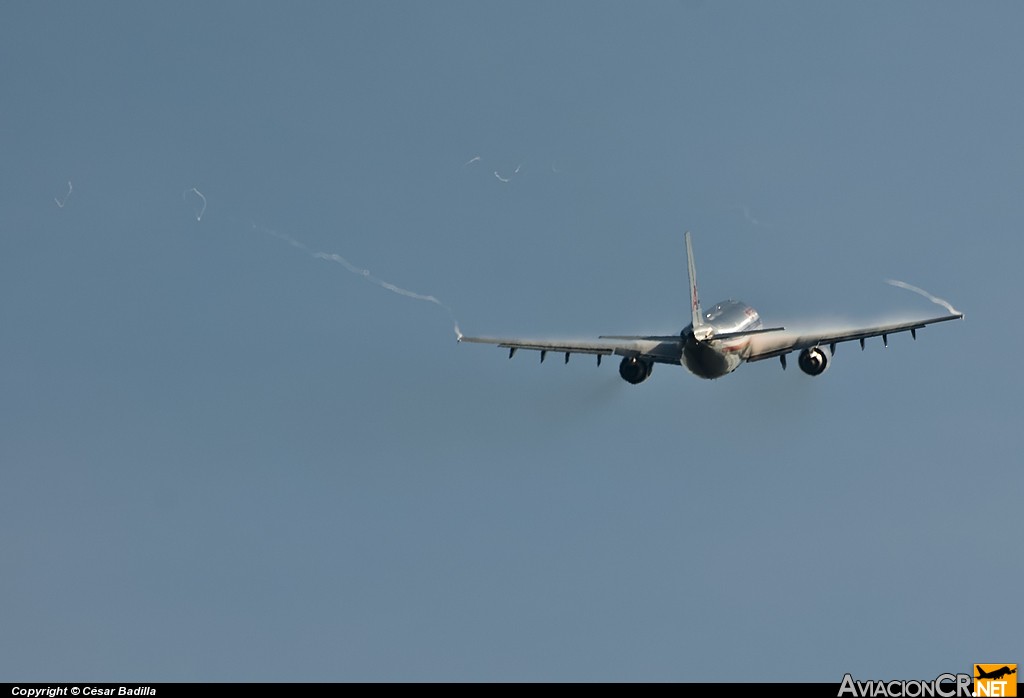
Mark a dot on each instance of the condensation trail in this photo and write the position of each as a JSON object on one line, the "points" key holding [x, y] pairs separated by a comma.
{"points": [[500, 178], [199, 216], [934, 299], [472, 160], [750, 218], [343, 262], [287, 238], [364, 273], [60, 204]]}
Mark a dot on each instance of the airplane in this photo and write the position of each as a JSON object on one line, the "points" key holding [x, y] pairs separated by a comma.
{"points": [[997, 674], [715, 343]]}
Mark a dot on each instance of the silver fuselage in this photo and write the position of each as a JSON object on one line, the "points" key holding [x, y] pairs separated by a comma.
{"points": [[716, 358]]}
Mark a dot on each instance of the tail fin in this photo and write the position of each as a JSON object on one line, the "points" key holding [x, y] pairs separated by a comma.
{"points": [[695, 311]]}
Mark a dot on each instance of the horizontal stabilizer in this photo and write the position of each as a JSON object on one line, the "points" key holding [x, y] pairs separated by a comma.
{"points": [[679, 338], [744, 333], [646, 337]]}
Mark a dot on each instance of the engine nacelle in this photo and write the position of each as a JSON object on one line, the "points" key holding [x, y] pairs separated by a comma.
{"points": [[635, 370], [815, 360]]}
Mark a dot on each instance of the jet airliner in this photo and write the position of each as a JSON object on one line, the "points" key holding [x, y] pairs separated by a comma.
{"points": [[715, 342]]}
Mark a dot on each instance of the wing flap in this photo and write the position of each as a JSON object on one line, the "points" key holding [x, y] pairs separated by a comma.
{"points": [[774, 344], [575, 346], [658, 351]]}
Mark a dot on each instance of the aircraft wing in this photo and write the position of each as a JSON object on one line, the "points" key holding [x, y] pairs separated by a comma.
{"points": [[656, 349], [769, 345]]}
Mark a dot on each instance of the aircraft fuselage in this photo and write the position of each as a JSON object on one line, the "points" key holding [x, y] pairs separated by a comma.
{"points": [[716, 358]]}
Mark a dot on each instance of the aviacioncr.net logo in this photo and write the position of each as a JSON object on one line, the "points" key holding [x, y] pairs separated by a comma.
{"points": [[944, 686]]}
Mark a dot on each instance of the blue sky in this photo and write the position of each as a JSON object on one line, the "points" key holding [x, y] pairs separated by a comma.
{"points": [[226, 459]]}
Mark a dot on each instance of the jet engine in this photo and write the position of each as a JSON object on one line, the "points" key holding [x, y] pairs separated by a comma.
{"points": [[815, 360], [635, 370]]}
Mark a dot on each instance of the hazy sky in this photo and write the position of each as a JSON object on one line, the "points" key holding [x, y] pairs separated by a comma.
{"points": [[226, 459]]}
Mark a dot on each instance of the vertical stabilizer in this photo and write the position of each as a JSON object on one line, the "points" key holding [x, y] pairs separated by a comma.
{"points": [[695, 311]]}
